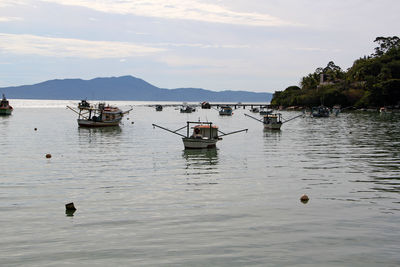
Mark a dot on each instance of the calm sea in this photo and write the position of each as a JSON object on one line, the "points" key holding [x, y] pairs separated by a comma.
{"points": [[143, 201]]}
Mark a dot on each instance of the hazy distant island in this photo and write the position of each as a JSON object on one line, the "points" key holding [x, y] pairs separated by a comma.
{"points": [[372, 81], [125, 88]]}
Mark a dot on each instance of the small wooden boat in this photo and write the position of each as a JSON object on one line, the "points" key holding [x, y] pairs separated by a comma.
{"points": [[265, 111], [336, 109], [99, 115], [204, 135], [5, 108], [320, 112], [205, 105], [187, 109], [225, 111], [159, 108]]}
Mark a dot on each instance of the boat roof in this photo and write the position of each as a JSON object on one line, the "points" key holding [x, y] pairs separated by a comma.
{"points": [[205, 126]]}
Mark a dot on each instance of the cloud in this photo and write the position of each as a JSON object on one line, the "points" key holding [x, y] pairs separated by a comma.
{"points": [[6, 3], [203, 46], [65, 47], [9, 19], [317, 49], [177, 9]]}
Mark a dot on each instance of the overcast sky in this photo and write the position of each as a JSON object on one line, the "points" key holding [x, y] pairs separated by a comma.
{"points": [[252, 45]]}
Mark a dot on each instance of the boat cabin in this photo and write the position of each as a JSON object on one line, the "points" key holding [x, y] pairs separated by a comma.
{"points": [[205, 131], [272, 119]]}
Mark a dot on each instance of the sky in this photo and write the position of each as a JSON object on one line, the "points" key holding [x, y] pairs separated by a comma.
{"points": [[251, 45]]}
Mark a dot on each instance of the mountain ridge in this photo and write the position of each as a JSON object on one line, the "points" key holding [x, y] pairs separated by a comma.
{"points": [[124, 88]]}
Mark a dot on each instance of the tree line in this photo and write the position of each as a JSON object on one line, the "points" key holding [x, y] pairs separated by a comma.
{"points": [[372, 81]]}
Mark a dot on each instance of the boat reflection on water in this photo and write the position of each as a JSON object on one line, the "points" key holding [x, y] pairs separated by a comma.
{"points": [[110, 131], [103, 134], [201, 156], [276, 135], [201, 168]]}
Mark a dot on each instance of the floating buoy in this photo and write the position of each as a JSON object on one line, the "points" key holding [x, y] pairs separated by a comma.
{"points": [[304, 198], [70, 209], [70, 206], [48, 156], [35, 129], [132, 122]]}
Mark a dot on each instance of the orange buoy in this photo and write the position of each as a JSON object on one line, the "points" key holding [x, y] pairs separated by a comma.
{"points": [[304, 198]]}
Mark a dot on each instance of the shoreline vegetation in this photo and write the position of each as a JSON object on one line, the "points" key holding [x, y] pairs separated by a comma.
{"points": [[371, 83]]}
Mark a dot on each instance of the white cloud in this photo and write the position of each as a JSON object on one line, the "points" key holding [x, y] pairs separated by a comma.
{"points": [[9, 19], [178, 9], [5, 3], [65, 47]]}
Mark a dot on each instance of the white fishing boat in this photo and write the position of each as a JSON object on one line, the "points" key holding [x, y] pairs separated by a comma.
{"points": [[273, 121], [100, 115], [265, 111], [5, 108], [204, 135], [320, 112], [225, 111], [187, 109]]}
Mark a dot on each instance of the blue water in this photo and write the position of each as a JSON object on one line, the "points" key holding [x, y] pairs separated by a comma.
{"points": [[143, 201]]}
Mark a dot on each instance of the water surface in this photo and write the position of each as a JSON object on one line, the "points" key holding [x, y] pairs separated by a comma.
{"points": [[144, 201]]}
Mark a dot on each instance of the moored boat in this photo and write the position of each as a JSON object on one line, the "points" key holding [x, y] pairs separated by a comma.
{"points": [[205, 105], [273, 121], [98, 115], [255, 110], [5, 108], [204, 135], [187, 109], [265, 111], [320, 112], [225, 111]]}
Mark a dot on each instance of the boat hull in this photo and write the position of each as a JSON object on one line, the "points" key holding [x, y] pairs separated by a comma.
{"points": [[273, 126], [5, 111], [89, 123], [194, 143]]}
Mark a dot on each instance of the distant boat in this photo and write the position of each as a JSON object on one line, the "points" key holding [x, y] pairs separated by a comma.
{"points": [[320, 111], [187, 109], [205, 134], [5, 108], [225, 111], [205, 105], [273, 121], [255, 110], [336, 109], [99, 115], [265, 111], [159, 108]]}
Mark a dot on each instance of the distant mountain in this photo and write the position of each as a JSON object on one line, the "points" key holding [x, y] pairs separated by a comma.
{"points": [[124, 88]]}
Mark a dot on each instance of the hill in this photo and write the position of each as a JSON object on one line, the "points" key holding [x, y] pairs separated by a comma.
{"points": [[124, 88], [372, 81]]}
